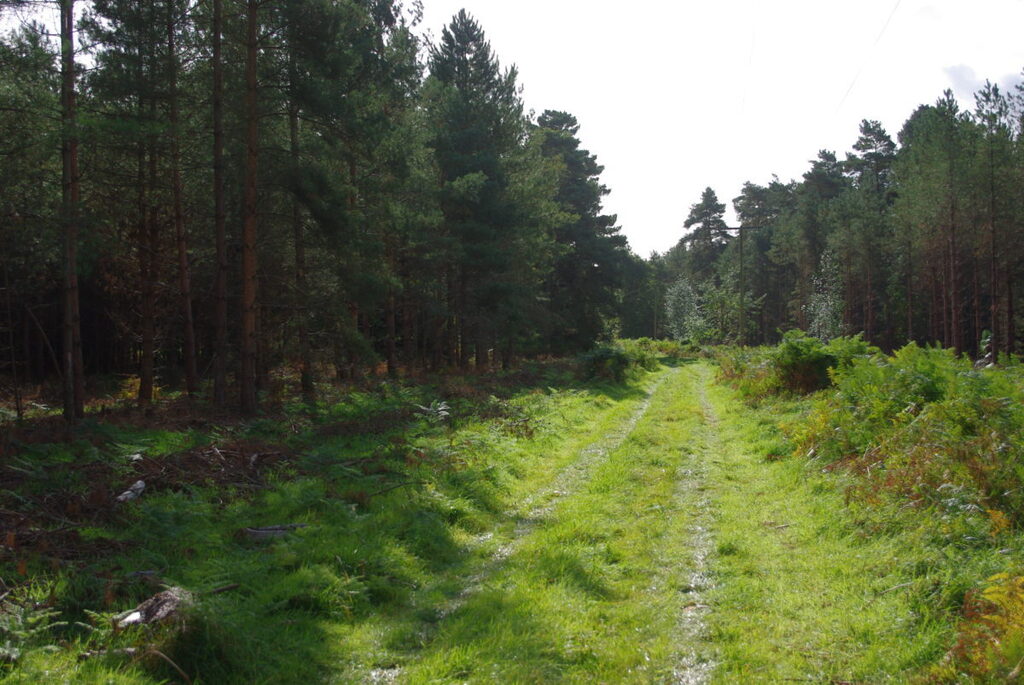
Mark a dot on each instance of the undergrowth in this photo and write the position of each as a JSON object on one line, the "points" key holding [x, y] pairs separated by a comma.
{"points": [[628, 358], [934, 449]]}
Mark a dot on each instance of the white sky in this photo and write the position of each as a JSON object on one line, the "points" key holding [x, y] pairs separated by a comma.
{"points": [[676, 95]]}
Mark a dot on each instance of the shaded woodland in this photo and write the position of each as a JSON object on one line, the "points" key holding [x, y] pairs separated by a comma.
{"points": [[202, 194]]}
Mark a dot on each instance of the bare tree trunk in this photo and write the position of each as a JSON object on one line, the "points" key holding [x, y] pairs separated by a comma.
{"points": [[392, 327], [483, 363], [993, 286], [463, 332], [910, 293], [147, 330], [220, 348], [869, 305], [1011, 325], [408, 332], [249, 343], [152, 266], [976, 306], [74, 383], [305, 357], [946, 308], [180, 232], [956, 309], [262, 351]]}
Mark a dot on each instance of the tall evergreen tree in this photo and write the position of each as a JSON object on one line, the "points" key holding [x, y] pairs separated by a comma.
{"points": [[590, 256], [479, 125]]}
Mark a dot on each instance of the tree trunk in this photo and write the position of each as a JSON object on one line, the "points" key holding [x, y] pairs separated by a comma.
{"points": [[910, 293], [869, 306], [74, 383], [392, 333], [993, 286], [146, 296], [220, 345], [302, 305], [483, 363], [976, 306], [409, 351], [249, 343], [1011, 326], [152, 266], [180, 233]]}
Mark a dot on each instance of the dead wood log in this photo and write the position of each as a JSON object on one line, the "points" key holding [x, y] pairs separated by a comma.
{"points": [[134, 492], [157, 608]]}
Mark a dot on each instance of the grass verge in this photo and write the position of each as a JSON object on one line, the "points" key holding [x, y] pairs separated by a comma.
{"points": [[813, 585]]}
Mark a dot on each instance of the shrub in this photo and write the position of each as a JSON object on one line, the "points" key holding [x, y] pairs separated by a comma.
{"points": [[848, 348], [607, 362], [923, 420], [748, 369], [642, 353], [617, 362], [801, 362]]}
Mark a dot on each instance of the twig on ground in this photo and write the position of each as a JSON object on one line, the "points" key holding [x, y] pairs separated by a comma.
{"points": [[223, 588], [174, 665], [896, 587], [395, 487]]}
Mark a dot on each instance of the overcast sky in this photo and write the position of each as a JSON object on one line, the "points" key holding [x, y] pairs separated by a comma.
{"points": [[675, 95]]}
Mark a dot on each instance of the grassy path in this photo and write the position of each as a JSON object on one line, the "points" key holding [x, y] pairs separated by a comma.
{"points": [[598, 577], [674, 550], [628, 534]]}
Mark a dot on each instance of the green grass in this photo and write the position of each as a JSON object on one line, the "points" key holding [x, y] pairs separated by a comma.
{"points": [[639, 532], [814, 586], [591, 590], [384, 548]]}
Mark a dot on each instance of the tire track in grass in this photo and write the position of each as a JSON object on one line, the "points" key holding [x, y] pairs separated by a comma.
{"points": [[538, 508], [694, 665], [541, 504]]}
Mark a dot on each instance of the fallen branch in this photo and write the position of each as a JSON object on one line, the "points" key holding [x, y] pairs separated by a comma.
{"points": [[395, 487], [174, 665], [268, 532], [121, 651], [896, 587], [223, 588]]}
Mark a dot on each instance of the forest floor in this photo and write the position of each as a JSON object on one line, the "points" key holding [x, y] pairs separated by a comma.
{"points": [[560, 533]]}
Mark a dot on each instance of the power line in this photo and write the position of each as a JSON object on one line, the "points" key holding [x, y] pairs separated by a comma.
{"points": [[873, 46]]}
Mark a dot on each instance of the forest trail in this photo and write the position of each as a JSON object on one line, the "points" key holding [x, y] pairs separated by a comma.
{"points": [[657, 530], [675, 549], [606, 572], [538, 507]]}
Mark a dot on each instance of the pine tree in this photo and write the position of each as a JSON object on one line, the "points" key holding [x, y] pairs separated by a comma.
{"points": [[590, 255]]}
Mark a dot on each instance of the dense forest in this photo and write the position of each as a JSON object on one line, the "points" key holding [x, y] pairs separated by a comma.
{"points": [[200, 194], [194, 191]]}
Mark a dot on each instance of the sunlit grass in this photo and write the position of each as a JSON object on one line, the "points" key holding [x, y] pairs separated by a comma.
{"points": [[547, 536], [592, 591], [382, 551], [811, 586]]}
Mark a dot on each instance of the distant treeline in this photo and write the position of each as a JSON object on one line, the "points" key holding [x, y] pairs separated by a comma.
{"points": [[917, 241], [207, 191]]}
